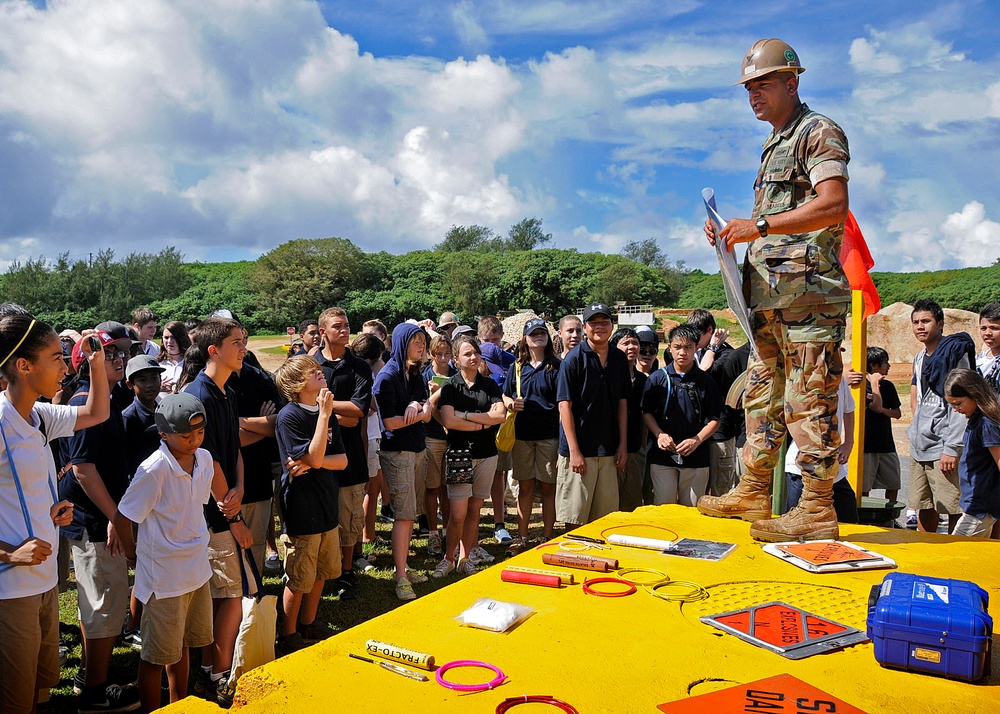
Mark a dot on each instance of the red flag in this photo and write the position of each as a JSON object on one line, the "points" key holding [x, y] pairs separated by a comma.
{"points": [[857, 261]]}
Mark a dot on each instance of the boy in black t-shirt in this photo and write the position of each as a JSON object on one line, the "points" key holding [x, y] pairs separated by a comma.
{"points": [[312, 452], [682, 409], [882, 406]]}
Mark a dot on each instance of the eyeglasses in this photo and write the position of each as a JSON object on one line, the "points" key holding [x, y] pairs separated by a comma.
{"points": [[113, 354], [648, 351]]}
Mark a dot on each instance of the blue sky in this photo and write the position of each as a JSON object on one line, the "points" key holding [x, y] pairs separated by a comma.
{"points": [[226, 128]]}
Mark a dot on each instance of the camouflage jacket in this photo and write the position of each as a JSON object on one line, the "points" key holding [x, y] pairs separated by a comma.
{"points": [[802, 269]]}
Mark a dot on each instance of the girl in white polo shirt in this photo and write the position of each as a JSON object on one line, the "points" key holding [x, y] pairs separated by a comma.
{"points": [[31, 362]]}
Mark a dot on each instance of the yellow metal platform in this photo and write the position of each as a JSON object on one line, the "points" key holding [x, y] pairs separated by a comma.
{"points": [[632, 653]]}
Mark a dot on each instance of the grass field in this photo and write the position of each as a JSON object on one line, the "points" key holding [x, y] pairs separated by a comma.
{"points": [[376, 596]]}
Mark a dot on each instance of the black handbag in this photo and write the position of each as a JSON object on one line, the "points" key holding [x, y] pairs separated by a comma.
{"points": [[460, 468]]}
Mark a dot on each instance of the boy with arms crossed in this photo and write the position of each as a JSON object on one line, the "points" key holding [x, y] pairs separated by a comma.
{"points": [[311, 452]]}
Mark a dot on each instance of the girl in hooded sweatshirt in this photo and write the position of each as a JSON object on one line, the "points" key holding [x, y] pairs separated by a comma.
{"points": [[402, 397]]}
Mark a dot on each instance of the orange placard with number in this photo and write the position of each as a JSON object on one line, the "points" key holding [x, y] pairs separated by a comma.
{"points": [[785, 629], [783, 694]]}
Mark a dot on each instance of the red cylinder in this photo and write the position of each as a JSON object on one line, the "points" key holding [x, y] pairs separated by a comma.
{"points": [[547, 581]]}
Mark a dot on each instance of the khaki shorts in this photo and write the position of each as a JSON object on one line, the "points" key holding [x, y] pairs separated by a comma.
{"points": [[29, 658], [535, 460], [882, 471], [973, 526], [352, 514], [404, 473], [256, 516], [171, 624], [434, 454], [630, 482], [504, 461], [101, 587], [722, 466], [373, 462], [483, 471], [582, 499], [931, 490], [676, 485], [227, 579], [309, 558]]}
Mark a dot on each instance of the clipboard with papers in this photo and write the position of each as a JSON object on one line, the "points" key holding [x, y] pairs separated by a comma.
{"points": [[730, 271]]}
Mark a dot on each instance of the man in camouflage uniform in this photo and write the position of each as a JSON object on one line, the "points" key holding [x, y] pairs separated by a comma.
{"points": [[795, 285]]}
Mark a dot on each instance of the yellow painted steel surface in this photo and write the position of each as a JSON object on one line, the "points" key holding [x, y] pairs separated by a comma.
{"points": [[631, 653]]}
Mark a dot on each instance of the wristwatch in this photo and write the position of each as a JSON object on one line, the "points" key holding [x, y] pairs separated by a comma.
{"points": [[238, 518], [762, 226]]}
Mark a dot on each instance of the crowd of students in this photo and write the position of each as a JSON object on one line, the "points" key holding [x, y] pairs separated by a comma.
{"points": [[174, 460]]}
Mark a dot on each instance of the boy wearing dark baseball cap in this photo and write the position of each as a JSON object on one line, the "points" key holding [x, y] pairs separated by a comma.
{"points": [[172, 568]]}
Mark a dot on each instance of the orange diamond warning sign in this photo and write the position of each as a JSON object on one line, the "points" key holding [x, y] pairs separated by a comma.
{"points": [[783, 694], [786, 629], [826, 552]]}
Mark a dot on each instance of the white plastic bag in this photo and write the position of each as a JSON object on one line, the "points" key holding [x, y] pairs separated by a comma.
{"points": [[494, 615]]}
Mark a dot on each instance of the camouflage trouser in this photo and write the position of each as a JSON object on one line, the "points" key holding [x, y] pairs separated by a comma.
{"points": [[793, 387]]}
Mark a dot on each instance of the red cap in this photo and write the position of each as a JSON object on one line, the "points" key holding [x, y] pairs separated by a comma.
{"points": [[78, 357]]}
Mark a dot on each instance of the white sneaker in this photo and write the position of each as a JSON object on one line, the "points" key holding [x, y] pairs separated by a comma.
{"points": [[503, 536], [479, 556], [466, 567], [443, 568], [434, 547], [363, 565], [404, 590]]}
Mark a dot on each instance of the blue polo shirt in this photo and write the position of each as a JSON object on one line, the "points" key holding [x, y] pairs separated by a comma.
{"points": [[540, 418], [977, 471], [595, 393], [222, 437], [350, 380], [253, 387], [691, 402], [141, 436], [102, 445]]}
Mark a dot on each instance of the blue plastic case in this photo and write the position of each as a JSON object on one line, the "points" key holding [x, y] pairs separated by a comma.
{"points": [[931, 625]]}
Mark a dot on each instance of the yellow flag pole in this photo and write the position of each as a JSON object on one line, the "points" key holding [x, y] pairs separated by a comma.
{"points": [[859, 361]]}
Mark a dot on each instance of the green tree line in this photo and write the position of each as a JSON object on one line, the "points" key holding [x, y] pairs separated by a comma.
{"points": [[961, 289], [473, 271]]}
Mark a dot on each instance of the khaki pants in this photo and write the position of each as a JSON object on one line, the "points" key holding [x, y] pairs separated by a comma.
{"points": [[582, 499]]}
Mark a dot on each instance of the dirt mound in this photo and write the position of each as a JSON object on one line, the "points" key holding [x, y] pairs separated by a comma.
{"points": [[513, 326], [890, 329]]}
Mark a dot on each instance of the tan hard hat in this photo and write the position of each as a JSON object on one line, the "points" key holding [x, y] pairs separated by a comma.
{"points": [[769, 55]]}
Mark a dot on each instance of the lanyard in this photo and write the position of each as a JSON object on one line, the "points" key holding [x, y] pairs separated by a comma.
{"points": [[20, 491]]}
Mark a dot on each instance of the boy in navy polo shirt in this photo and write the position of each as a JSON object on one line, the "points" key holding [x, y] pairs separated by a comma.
{"points": [[350, 380], [94, 486], [682, 409], [142, 376], [312, 453], [220, 342], [593, 413]]}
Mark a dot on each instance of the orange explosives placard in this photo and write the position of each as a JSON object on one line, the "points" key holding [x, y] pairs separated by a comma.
{"points": [[786, 630], [821, 553], [783, 694]]}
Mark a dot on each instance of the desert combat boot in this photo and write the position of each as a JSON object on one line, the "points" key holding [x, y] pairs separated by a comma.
{"points": [[813, 519], [750, 500]]}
